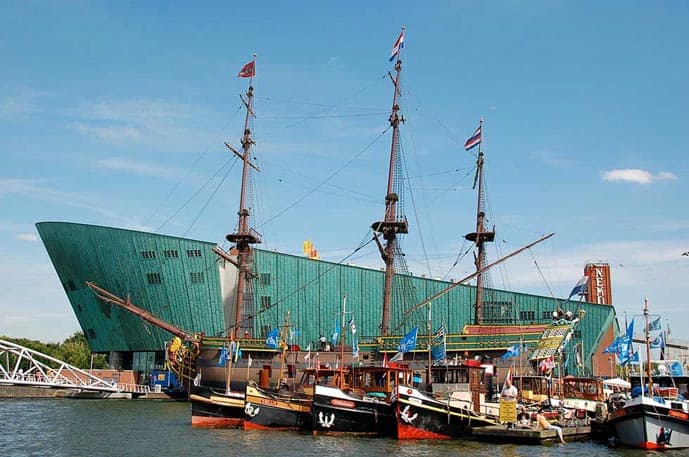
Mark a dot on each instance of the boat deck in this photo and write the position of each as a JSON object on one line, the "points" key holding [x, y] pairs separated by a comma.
{"points": [[523, 435]]}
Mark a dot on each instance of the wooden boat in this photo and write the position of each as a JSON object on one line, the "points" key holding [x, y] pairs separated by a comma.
{"points": [[216, 408], [442, 411], [364, 407]]}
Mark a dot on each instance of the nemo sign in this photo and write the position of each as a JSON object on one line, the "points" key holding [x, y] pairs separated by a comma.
{"points": [[599, 290]]}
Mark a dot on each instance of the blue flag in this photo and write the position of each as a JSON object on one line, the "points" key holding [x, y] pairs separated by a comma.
{"points": [[579, 287], [272, 340], [655, 325], [633, 358], [336, 333], [658, 342], [512, 351], [438, 351], [408, 343]]}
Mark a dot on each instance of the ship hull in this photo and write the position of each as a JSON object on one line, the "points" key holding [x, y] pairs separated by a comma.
{"points": [[419, 416], [214, 409], [274, 410], [646, 423], [335, 412]]}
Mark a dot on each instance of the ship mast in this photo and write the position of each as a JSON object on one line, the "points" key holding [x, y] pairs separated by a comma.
{"points": [[481, 235], [245, 236], [391, 225]]}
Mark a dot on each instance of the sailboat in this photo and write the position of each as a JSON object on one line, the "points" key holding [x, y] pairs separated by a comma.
{"points": [[211, 407], [653, 419]]}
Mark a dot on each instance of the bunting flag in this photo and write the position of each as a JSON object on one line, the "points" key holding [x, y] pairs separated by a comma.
{"points": [[355, 349], [474, 140], [654, 325], [272, 339], [248, 70], [397, 47], [307, 357], [385, 360], [579, 287], [251, 361]]}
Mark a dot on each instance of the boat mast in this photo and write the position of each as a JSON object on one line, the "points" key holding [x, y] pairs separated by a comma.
{"points": [[648, 351], [343, 331], [481, 235], [391, 225], [245, 236]]}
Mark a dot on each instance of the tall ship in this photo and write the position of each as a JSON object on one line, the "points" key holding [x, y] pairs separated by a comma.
{"points": [[231, 301]]}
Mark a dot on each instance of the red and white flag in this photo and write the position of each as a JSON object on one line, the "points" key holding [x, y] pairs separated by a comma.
{"points": [[248, 70]]}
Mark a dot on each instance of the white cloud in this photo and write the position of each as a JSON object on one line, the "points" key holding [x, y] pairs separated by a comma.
{"points": [[31, 237], [636, 175]]}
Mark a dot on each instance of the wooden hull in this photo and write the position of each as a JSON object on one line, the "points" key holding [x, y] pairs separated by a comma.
{"points": [[274, 410], [648, 424], [419, 416], [336, 412], [211, 408]]}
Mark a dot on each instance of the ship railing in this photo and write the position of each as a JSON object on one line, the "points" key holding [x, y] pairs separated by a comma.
{"points": [[134, 388]]}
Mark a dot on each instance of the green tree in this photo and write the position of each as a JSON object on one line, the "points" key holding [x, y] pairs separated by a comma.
{"points": [[74, 350]]}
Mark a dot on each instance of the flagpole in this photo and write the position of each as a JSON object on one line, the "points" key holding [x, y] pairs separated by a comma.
{"points": [[340, 383], [430, 344]]}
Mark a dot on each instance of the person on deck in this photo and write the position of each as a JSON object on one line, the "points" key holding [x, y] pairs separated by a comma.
{"points": [[542, 422], [509, 391]]}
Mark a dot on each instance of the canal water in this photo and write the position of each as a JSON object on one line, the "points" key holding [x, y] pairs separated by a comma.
{"points": [[69, 427]]}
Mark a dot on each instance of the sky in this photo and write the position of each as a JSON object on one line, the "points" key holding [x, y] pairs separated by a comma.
{"points": [[116, 114]]}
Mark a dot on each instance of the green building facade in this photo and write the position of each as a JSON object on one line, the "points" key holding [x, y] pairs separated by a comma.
{"points": [[184, 283]]}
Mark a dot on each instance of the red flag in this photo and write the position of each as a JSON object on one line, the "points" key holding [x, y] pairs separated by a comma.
{"points": [[248, 70]]}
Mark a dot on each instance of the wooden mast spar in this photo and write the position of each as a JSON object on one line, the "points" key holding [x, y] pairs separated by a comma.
{"points": [[245, 236], [391, 225]]}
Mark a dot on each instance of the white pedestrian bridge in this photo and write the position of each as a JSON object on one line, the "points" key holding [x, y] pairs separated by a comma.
{"points": [[21, 366]]}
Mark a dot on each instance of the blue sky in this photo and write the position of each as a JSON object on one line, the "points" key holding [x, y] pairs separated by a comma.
{"points": [[115, 113]]}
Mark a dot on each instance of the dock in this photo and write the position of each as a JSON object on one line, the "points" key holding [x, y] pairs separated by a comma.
{"points": [[528, 435]]}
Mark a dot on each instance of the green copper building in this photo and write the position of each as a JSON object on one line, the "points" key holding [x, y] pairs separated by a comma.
{"points": [[184, 283]]}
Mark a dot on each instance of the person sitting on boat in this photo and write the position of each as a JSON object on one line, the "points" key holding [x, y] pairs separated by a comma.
{"points": [[523, 418], [543, 423]]}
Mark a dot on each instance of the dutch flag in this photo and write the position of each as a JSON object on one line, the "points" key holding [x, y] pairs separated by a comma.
{"points": [[474, 140], [399, 44]]}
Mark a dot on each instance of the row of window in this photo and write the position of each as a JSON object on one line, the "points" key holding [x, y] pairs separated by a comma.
{"points": [[170, 253], [195, 278]]}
